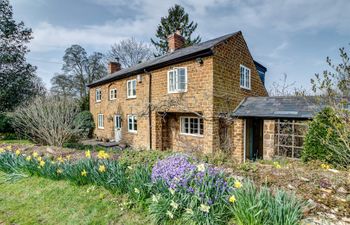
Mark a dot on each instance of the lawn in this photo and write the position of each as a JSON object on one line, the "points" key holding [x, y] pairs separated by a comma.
{"points": [[35, 200]]}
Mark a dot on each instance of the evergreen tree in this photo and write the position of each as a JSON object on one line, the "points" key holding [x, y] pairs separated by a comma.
{"points": [[177, 19], [18, 81]]}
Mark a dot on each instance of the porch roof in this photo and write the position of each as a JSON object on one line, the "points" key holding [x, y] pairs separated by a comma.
{"points": [[279, 107]]}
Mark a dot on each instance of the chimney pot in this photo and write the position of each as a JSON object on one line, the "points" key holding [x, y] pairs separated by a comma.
{"points": [[113, 67], [175, 41]]}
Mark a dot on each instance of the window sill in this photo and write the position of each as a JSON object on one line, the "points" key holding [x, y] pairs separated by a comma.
{"points": [[131, 97], [177, 92], [132, 132], [245, 88], [101, 128], [97, 101], [192, 135], [113, 99]]}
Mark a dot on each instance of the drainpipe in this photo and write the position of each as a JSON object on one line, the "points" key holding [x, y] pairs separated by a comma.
{"points": [[149, 108], [244, 140]]}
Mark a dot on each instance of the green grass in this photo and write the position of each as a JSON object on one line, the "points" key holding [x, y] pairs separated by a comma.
{"points": [[36, 200], [24, 142]]}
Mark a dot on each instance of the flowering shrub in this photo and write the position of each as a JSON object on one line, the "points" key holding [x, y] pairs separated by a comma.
{"points": [[174, 170]]}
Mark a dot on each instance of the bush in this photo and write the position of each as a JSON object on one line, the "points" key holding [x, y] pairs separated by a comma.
{"points": [[85, 121], [47, 120], [5, 124], [323, 141]]}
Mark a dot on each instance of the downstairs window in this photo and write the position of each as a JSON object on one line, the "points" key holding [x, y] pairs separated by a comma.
{"points": [[191, 126]]}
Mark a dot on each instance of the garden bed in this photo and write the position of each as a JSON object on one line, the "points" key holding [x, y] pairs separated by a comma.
{"points": [[326, 189]]}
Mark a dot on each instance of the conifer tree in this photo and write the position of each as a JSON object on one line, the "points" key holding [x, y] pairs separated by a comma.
{"points": [[177, 19]]}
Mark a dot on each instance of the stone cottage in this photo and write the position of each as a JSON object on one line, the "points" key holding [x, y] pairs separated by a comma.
{"points": [[182, 100]]}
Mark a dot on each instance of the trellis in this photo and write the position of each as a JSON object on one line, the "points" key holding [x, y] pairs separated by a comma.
{"points": [[289, 137]]}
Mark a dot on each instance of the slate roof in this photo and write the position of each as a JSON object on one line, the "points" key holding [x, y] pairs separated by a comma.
{"points": [[279, 107], [180, 55]]}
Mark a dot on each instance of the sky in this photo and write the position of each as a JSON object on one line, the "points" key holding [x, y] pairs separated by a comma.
{"points": [[291, 37]]}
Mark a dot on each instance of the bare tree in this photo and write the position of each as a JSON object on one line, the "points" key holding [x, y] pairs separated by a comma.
{"points": [[48, 120], [284, 88], [130, 52]]}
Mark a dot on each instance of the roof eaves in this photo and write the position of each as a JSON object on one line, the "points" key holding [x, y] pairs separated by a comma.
{"points": [[202, 53]]}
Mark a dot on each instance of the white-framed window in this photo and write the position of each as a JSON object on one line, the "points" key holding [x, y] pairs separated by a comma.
{"points": [[244, 77], [98, 95], [132, 123], [191, 126], [100, 121], [131, 89], [113, 94], [177, 80]]}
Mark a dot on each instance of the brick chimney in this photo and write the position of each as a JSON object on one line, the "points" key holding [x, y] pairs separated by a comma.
{"points": [[175, 41], [113, 66]]}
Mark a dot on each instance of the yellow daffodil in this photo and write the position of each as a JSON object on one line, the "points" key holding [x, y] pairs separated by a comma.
{"points": [[204, 208], [232, 199], [189, 211], [170, 214], [35, 154], [130, 167], [155, 198], [42, 163], [28, 158], [39, 158], [84, 173], [68, 157], [102, 155], [172, 191], [9, 147], [201, 167], [237, 184], [60, 159], [277, 165], [18, 152], [59, 171], [174, 204], [325, 166], [137, 191], [102, 168], [88, 154], [2, 150]]}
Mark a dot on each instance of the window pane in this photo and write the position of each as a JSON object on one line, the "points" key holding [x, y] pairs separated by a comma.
{"points": [[242, 76], [181, 79], [129, 88], [171, 81], [130, 122], [135, 123], [134, 87], [201, 126]]}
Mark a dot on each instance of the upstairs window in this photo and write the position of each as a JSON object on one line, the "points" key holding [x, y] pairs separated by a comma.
{"points": [[177, 80], [132, 123], [113, 94], [131, 89], [244, 77], [100, 121], [98, 95], [192, 126]]}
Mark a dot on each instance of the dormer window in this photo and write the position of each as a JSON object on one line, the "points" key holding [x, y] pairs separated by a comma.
{"points": [[177, 80], [98, 95], [244, 77]]}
